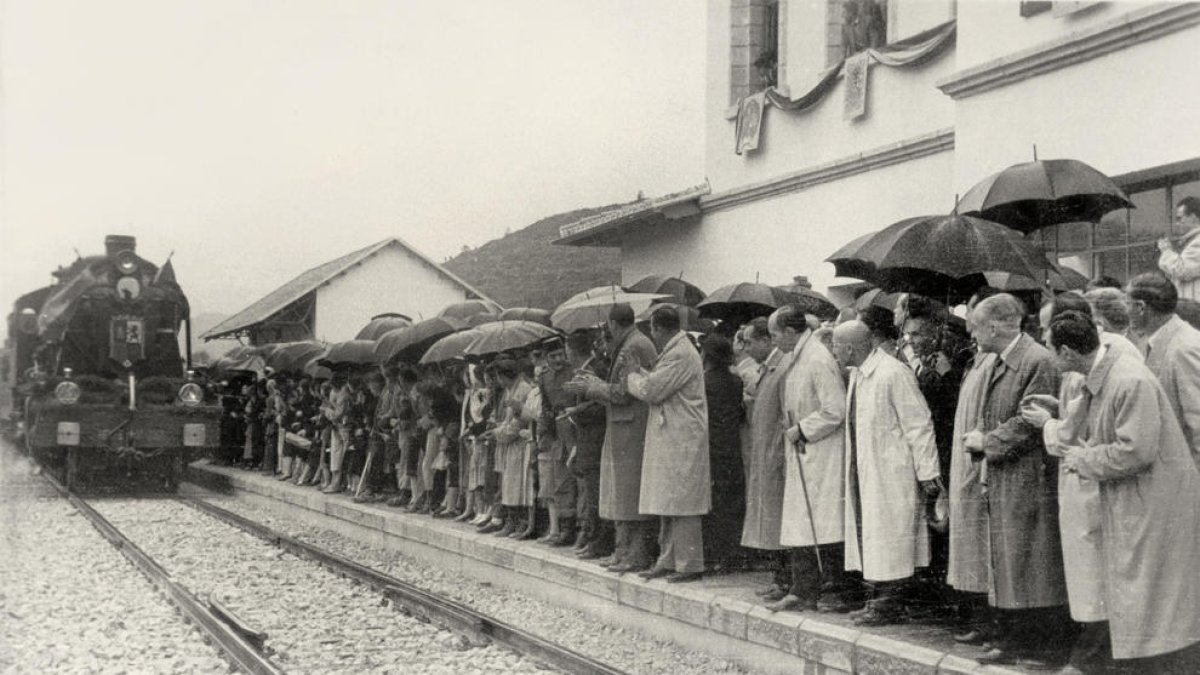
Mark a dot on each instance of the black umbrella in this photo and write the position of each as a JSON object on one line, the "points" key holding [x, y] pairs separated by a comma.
{"points": [[503, 336], [681, 291], [943, 257], [350, 352], [450, 347], [408, 343], [689, 317], [467, 308], [381, 324], [533, 314], [1034, 195], [291, 356], [739, 302]]}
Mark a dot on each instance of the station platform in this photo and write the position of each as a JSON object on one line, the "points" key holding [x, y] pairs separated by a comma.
{"points": [[719, 609]]}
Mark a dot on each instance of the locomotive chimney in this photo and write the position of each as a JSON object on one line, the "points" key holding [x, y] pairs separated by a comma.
{"points": [[115, 243]]}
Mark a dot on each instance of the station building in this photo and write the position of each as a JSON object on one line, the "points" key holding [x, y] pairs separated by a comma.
{"points": [[828, 120], [333, 301]]}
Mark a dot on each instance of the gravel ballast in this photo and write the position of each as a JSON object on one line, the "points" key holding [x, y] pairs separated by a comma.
{"points": [[621, 647], [315, 620], [71, 603]]}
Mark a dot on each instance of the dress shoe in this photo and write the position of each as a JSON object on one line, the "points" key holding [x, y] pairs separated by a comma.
{"points": [[972, 636], [838, 604], [775, 595], [684, 577], [875, 616], [562, 539], [508, 528], [623, 567], [588, 554], [491, 527], [522, 535], [545, 538], [767, 590], [997, 657], [608, 561], [464, 517], [791, 603], [655, 573]]}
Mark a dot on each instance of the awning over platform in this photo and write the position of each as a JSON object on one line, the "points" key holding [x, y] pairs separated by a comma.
{"points": [[603, 229]]}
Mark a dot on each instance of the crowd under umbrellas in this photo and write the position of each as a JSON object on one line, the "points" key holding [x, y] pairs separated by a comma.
{"points": [[901, 458]]}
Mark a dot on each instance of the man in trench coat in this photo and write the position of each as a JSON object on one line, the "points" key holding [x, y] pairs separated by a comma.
{"points": [[891, 468], [814, 408], [1027, 588], [624, 441], [675, 472], [1133, 447]]}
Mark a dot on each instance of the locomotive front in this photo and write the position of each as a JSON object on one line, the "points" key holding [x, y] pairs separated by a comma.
{"points": [[108, 401]]}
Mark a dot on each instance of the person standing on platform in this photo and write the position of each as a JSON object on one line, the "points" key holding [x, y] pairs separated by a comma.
{"points": [[338, 412], [1180, 259], [1119, 432], [624, 441], [583, 456], [676, 480], [1172, 350], [814, 410], [556, 485], [1027, 588], [726, 414], [891, 471], [510, 449]]}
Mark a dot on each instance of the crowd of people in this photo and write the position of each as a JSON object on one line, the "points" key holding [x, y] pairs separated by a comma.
{"points": [[1027, 474]]}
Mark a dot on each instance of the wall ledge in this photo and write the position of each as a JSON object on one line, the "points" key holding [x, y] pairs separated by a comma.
{"points": [[1140, 25]]}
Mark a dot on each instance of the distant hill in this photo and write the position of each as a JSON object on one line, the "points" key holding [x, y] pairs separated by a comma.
{"points": [[524, 269]]}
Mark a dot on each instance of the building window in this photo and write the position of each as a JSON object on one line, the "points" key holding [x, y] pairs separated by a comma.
{"points": [[863, 25], [754, 47], [767, 63], [1123, 243]]}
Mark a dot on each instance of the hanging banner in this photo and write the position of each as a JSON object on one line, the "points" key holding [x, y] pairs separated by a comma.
{"points": [[856, 72], [127, 339], [749, 122]]}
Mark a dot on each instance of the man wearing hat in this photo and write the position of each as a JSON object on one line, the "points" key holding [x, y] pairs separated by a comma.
{"points": [[556, 487], [624, 441]]}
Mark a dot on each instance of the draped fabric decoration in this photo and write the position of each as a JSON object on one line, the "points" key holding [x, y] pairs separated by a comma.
{"points": [[749, 122], [912, 51], [856, 70]]}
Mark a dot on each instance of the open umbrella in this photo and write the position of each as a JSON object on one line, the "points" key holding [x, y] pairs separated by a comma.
{"points": [[480, 319], [382, 323], [450, 347], [876, 297], [739, 302], [1033, 195], [314, 369], [591, 293], [350, 352], [533, 314], [591, 312], [942, 257], [467, 308], [503, 336], [681, 291], [291, 356], [1061, 279], [689, 317], [408, 343]]}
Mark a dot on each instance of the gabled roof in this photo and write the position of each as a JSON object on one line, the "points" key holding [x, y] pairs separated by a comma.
{"points": [[598, 229], [313, 279]]}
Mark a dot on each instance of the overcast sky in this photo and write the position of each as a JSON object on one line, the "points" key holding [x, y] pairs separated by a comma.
{"points": [[257, 138]]}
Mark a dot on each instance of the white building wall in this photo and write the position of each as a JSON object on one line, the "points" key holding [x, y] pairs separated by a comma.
{"points": [[778, 238], [991, 30], [392, 280]]}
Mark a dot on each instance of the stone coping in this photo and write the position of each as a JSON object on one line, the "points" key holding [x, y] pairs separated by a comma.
{"points": [[724, 604]]}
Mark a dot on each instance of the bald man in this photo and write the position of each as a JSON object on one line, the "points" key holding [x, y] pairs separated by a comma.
{"points": [[891, 469]]}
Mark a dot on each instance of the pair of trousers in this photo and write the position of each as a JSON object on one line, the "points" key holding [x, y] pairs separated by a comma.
{"points": [[806, 577], [633, 542], [587, 496], [339, 443], [681, 544]]}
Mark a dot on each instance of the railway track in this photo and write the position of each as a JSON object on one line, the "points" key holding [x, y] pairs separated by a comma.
{"points": [[248, 649]]}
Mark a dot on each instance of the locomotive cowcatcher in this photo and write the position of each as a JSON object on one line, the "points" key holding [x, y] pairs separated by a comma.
{"points": [[96, 386]]}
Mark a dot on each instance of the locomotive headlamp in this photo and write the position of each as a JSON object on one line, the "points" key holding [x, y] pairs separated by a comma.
{"points": [[127, 262], [67, 392], [191, 394]]}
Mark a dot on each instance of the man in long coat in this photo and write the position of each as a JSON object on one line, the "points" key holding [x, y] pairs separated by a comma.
{"points": [[675, 471], [814, 408], [624, 441], [1173, 350], [1027, 587], [765, 465], [1133, 447], [891, 468]]}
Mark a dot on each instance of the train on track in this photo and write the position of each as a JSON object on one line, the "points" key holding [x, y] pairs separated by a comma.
{"points": [[96, 386]]}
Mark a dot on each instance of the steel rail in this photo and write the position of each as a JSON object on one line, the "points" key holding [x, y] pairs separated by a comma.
{"points": [[236, 648], [476, 626]]}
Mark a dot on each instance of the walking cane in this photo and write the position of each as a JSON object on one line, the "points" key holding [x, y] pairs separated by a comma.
{"points": [[362, 480], [812, 524]]}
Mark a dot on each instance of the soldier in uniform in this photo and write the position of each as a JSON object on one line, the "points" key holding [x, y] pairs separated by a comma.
{"points": [[556, 438]]}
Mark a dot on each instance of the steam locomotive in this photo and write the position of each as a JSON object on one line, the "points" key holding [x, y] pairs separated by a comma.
{"points": [[95, 385]]}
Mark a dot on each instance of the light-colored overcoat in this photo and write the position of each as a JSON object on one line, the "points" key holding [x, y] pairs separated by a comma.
{"points": [[1149, 506], [968, 569], [1174, 358], [814, 397], [1022, 483], [675, 470], [765, 472], [1182, 266], [625, 429], [895, 448]]}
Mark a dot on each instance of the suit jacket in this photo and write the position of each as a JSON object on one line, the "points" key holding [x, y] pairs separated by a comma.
{"points": [[1174, 358]]}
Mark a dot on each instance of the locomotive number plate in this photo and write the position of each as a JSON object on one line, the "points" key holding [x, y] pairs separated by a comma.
{"points": [[193, 435], [68, 433]]}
